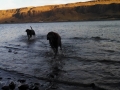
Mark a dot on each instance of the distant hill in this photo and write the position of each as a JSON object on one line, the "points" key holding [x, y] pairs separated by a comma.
{"points": [[80, 11]]}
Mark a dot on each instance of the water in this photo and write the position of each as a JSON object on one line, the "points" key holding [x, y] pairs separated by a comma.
{"points": [[90, 51]]}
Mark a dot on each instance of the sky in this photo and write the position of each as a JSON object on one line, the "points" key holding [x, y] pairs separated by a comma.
{"points": [[12, 4]]}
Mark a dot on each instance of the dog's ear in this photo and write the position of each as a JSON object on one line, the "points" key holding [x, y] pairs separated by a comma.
{"points": [[47, 37]]}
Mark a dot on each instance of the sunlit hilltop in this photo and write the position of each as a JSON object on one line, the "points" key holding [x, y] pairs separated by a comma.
{"points": [[92, 10]]}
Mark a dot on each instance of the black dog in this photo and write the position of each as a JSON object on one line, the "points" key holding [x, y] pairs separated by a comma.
{"points": [[30, 32], [55, 41]]}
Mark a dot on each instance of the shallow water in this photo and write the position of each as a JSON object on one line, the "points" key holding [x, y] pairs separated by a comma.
{"points": [[90, 51]]}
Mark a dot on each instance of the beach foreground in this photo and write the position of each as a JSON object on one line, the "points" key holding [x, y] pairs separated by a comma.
{"points": [[33, 83]]}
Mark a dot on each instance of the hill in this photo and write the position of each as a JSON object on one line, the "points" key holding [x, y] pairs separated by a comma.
{"points": [[80, 11]]}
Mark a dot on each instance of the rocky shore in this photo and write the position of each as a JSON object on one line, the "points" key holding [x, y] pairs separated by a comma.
{"points": [[10, 80]]}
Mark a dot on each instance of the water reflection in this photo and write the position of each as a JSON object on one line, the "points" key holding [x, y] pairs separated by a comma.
{"points": [[55, 66]]}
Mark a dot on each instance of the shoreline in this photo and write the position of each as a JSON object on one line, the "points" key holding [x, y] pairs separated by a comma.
{"points": [[19, 79], [63, 21]]}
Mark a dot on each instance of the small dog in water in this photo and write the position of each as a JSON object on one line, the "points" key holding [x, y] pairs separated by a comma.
{"points": [[55, 41], [30, 32]]}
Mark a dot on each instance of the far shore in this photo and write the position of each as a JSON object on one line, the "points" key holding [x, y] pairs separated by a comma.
{"points": [[64, 21]]}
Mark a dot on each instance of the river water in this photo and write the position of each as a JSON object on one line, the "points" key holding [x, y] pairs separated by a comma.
{"points": [[90, 51]]}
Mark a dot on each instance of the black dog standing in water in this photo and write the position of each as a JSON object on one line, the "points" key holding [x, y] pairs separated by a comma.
{"points": [[30, 32], [55, 41]]}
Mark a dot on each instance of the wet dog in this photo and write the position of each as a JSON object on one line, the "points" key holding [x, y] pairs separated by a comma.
{"points": [[30, 33], [55, 41]]}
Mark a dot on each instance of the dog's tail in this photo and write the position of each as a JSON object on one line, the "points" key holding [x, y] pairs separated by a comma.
{"points": [[33, 32], [31, 28]]}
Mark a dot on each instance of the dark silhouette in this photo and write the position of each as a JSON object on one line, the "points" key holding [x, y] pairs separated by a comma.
{"points": [[5, 88], [55, 41], [30, 32], [23, 87], [12, 86]]}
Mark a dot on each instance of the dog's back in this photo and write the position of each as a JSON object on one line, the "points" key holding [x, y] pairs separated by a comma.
{"points": [[32, 32]]}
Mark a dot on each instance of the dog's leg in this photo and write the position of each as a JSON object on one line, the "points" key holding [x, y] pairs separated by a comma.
{"points": [[60, 46], [55, 51], [28, 37]]}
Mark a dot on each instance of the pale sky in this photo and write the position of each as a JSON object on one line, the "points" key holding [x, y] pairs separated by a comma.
{"points": [[12, 4]]}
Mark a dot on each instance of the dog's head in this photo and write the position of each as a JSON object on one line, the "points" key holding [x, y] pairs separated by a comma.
{"points": [[27, 30], [51, 35]]}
